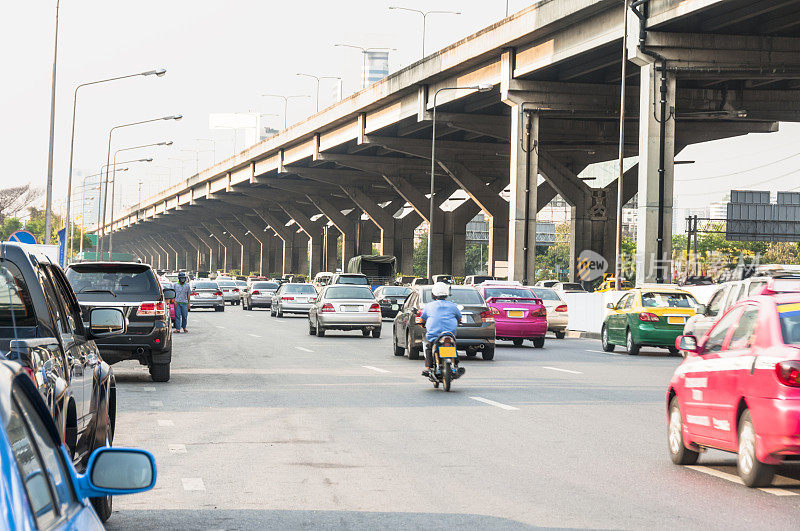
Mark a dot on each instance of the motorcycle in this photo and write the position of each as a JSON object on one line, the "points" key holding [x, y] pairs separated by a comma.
{"points": [[445, 362]]}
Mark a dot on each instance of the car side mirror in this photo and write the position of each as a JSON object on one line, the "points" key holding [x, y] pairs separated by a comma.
{"points": [[169, 293], [687, 343], [106, 322], [610, 306], [113, 471], [702, 309]]}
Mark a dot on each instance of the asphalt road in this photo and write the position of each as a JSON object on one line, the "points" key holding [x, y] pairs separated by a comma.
{"points": [[263, 426]]}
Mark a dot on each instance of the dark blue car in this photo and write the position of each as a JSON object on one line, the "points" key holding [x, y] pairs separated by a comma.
{"points": [[39, 487]]}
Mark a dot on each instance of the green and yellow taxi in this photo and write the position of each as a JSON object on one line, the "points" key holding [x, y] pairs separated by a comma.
{"points": [[610, 284], [649, 315]]}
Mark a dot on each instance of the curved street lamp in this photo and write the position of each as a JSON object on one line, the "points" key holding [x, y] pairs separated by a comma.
{"points": [[424, 19]]}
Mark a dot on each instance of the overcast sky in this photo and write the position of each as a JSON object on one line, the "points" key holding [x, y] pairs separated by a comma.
{"points": [[221, 56]]}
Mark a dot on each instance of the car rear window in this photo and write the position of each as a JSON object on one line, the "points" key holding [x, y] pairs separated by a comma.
{"points": [[16, 307], [396, 291], [346, 292], [656, 299], [226, 283], [300, 288], [118, 279], [790, 322], [507, 293], [458, 296], [265, 285], [546, 294], [358, 281], [205, 285], [572, 286]]}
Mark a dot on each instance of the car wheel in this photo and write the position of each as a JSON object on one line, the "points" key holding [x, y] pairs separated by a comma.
{"points": [[517, 342], [561, 335], [413, 352], [488, 353], [674, 351], [311, 330], [365, 332], [538, 342], [159, 372], [376, 333], [607, 346], [678, 451], [398, 351], [753, 472], [633, 348], [279, 313], [472, 353], [103, 505], [320, 331], [271, 312]]}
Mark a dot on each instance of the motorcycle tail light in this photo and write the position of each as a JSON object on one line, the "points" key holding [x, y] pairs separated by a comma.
{"points": [[648, 317], [375, 307], [327, 308], [561, 308], [447, 340], [418, 318], [487, 316], [151, 309], [256, 292], [788, 373]]}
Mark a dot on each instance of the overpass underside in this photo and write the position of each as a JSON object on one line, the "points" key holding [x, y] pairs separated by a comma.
{"points": [[357, 176]]}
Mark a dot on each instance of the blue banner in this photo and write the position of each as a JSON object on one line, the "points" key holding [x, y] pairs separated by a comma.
{"points": [[62, 247]]}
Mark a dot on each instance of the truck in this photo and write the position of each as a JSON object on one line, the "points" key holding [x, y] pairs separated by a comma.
{"points": [[379, 269]]}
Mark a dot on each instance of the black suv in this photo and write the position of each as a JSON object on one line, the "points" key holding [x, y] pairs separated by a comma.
{"points": [[41, 327], [134, 289]]}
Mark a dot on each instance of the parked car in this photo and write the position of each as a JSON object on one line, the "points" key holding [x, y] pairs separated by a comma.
{"points": [[568, 287], [649, 315], [292, 298], [343, 307], [518, 314], [356, 279], [474, 280], [322, 279], [259, 294], [738, 389], [206, 294], [391, 298], [610, 284], [476, 331], [42, 328], [557, 310], [133, 288], [230, 290], [41, 488]]}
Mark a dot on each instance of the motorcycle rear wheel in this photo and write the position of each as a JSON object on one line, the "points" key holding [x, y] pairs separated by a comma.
{"points": [[447, 376]]}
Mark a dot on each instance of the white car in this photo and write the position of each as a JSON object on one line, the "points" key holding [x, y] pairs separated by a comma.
{"points": [[557, 310], [230, 291], [345, 307]]}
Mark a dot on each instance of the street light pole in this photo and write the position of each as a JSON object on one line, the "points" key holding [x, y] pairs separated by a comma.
{"points": [[480, 88], [160, 73], [285, 103], [315, 78], [364, 54], [49, 193], [213, 145], [621, 156], [425, 19]]}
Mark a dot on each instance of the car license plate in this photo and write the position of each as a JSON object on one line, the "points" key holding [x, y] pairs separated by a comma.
{"points": [[395, 306], [672, 319], [447, 352], [352, 308], [516, 313]]}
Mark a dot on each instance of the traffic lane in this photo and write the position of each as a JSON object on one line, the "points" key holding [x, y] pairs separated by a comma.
{"points": [[356, 453]]}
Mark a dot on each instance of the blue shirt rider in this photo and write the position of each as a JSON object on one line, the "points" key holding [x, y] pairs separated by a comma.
{"points": [[440, 317]]}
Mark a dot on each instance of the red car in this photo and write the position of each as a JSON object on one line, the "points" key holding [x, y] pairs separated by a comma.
{"points": [[518, 313], [738, 389]]}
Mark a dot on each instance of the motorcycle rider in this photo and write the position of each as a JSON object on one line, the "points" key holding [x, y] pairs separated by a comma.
{"points": [[439, 317]]}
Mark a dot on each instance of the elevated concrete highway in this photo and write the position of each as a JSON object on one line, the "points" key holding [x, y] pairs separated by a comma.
{"points": [[724, 68]]}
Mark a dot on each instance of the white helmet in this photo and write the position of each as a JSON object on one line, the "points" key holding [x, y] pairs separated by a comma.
{"points": [[440, 289]]}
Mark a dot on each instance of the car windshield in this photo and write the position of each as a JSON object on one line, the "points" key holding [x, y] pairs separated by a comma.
{"points": [[656, 299], [507, 293], [546, 294], [572, 286], [205, 285], [265, 285], [790, 323], [358, 281], [300, 288], [113, 278], [395, 291], [16, 307], [458, 296], [347, 292]]}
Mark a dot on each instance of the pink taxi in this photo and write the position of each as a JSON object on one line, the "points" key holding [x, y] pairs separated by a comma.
{"points": [[738, 389], [518, 313]]}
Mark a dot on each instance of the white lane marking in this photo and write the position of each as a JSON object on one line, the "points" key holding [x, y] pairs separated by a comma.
{"points": [[604, 352], [736, 479], [304, 349], [253, 335], [218, 326], [156, 403], [248, 315], [149, 389], [193, 484], [177, 448], [376, 369], [495, 404], [561, 370], [165, 423]]}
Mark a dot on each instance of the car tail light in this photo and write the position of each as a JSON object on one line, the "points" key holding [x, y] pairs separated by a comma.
{"points": [[235, 290], [488, 315], [193, 294], [287, 298], [788, 373], [418, 318], [327, 308], [218, 293], [539, 312], [648, 317], [494, 310], [375, 307], [561, 308], [150, 309], [256, 292]]}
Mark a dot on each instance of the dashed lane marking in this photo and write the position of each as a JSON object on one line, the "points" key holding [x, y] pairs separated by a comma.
{"points": [[149, 389], [736, 479], [156, 403], [304, 349], [218, 326], [253, 335], [177, 448], [562, 370], [495, 404], [193, 484], [604, 352], [165, 423], [376, 369]]}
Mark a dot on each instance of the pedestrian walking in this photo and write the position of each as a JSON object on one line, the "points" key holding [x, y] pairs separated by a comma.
{"points": [[182, 290]]}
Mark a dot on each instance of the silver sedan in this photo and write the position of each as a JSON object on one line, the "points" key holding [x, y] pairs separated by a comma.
{"points": [[345, 307]]}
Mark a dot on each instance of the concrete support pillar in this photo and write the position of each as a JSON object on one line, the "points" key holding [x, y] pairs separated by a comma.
{"points": [[150, 252], [408, 224], [262, 241], [205, 254], [344, 225], [211, 244], [524, 170], [332, 235], [300, 249], [283, 257], [314, 231], [239, 237], [380, 217], [656, 174]]}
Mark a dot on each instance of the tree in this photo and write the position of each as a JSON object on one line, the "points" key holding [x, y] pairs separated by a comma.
{"points": [[475, 259], [421, 256], [16, 198], [8, 227]]}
